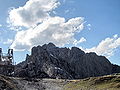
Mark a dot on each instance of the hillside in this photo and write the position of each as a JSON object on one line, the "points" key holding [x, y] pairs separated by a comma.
{"points": [[109, 82]]}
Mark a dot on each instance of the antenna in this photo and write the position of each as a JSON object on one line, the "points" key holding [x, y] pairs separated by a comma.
{"points": [[6, 62], [0, 54], [10, 55]]}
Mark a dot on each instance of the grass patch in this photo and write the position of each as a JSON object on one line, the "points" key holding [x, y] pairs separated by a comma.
{"points": [[109, 82]]}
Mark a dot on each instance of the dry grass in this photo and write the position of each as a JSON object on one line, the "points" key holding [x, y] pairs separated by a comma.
{"points": [[109, 82]]}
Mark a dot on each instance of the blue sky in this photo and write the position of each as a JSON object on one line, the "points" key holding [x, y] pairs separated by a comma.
{"points": [[97, 22]]}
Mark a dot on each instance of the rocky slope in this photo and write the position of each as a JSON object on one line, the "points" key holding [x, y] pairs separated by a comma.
{"points": [[13, 83], [109, 82], [49, 61]]}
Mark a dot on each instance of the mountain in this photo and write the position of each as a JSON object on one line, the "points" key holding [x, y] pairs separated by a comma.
{"points": [[49, 61]]}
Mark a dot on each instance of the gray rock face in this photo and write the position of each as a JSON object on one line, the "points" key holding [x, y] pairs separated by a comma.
{"points": [[49, 61]]}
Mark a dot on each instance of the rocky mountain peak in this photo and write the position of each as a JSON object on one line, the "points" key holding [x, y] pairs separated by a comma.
{"points": [[76, 50], [51, 45], [48, 46], [54, 62]]}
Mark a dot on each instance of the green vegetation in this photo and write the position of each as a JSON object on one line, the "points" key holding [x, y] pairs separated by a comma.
{"points": [[109, 82]]}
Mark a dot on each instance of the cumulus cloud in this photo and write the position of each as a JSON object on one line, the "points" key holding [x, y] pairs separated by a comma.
{"points": [[76, 42], [41, 26], [54, 29], [32, 13], [106, 47]]}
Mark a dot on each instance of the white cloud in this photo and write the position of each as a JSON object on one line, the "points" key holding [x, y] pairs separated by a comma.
{"points": [[32, 13], [9, 41], [76, 42], [106, 47], [42, 27], [89, 26], [115, 36], [55, 30], [0, 25]]}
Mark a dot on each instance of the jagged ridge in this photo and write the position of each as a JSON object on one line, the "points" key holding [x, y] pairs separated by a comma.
{"points": [[49, 61]]}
